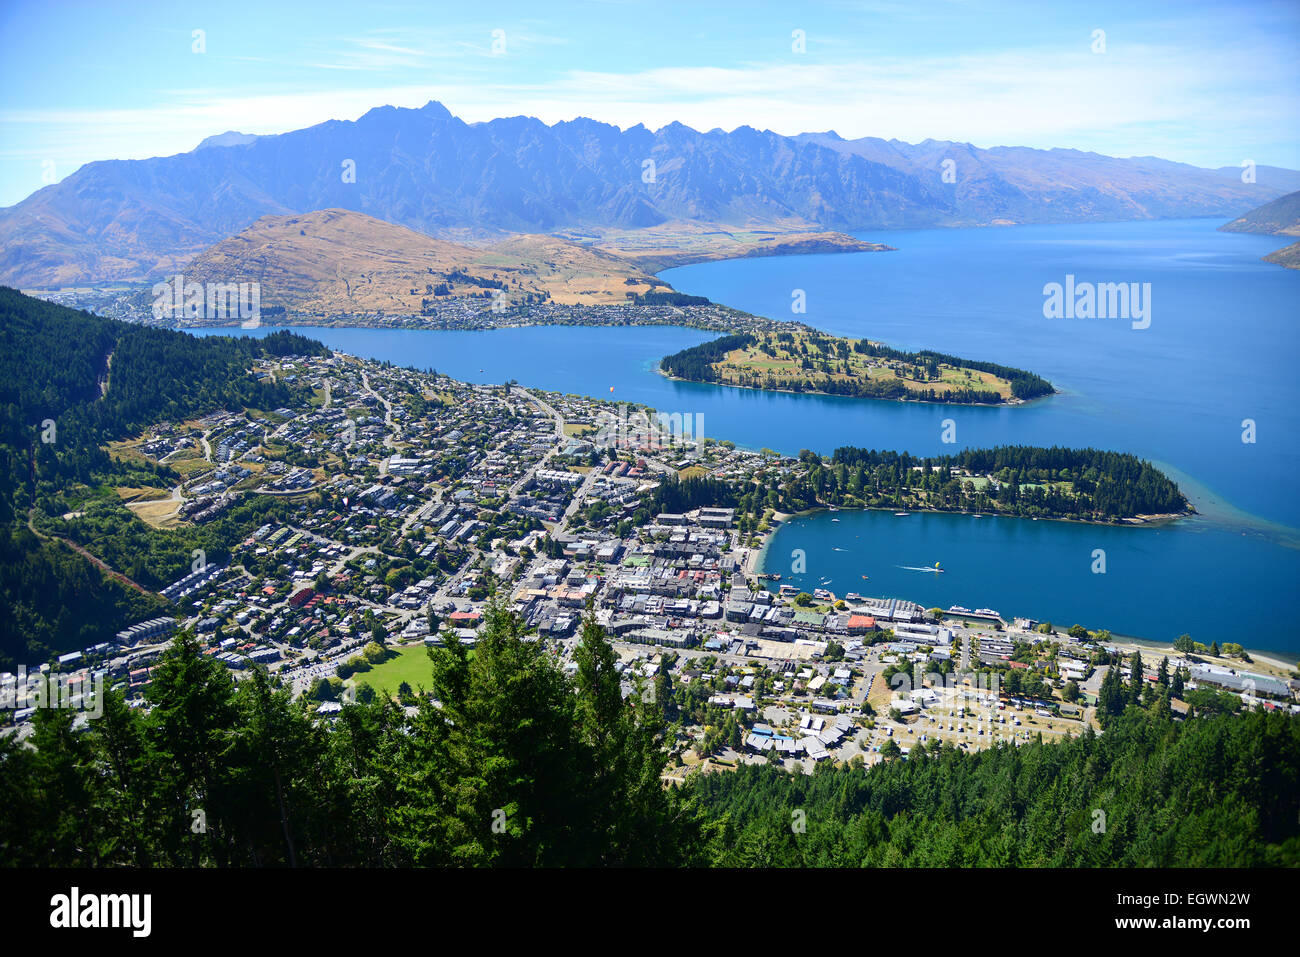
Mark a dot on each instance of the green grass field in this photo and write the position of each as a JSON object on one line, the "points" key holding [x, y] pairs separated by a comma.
{"points": [[410, 664]]}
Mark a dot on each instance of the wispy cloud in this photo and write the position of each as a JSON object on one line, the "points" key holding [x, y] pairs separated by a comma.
{"points": [[1137, 101]]}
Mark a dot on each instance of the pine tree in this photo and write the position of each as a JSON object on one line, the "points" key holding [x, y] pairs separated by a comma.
{"points": [[1111, 697], [188, 729], [1136, 679]]}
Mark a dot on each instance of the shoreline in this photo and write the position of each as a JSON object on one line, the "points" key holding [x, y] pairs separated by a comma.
{"points": [[1267, 656], [870, 398], [412, 322], [1137, 521], [405, 323], [1264, 656]]}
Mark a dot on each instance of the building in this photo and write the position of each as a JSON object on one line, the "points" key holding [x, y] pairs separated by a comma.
{"points": [[861, 624], [716, 517]]}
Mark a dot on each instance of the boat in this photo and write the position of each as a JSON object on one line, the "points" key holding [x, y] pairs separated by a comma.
{"points": [[864, 578], [902, 514]]}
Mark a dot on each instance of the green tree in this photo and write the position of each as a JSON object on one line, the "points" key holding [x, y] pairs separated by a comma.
{"points": [[1136, 679], [1111, 697], [188, 728]]}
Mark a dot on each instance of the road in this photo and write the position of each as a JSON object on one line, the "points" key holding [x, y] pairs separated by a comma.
{"points": [[389, 431]]}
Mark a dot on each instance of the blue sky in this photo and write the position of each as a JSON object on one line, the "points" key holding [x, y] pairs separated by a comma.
{"points": [[1207, 83]]}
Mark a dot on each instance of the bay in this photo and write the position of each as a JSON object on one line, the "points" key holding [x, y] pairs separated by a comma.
{"points": [[1193, 577]]}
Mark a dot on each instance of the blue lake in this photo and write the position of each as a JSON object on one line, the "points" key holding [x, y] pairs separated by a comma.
{"points": [[1211, 582], [1222, 347]]}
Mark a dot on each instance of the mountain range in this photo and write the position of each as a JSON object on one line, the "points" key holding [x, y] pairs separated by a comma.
{"points": [[433, 173]]}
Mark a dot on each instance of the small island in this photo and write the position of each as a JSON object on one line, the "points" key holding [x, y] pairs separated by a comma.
{"points": [[798, 358]]}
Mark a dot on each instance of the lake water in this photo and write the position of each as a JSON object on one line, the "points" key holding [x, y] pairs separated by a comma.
{"points": [[1222, 347], [1211, 582]]}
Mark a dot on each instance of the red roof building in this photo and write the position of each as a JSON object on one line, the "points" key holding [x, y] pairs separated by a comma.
{"points": [[860, 624], [302, 595]]}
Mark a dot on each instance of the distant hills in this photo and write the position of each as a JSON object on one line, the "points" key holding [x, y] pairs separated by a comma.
{"points": [[1281, 217], [337, 260], [1015, 184], [433, 173]]}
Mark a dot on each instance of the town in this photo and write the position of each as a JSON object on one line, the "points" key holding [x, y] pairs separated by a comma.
{"points": [[405, 503]]}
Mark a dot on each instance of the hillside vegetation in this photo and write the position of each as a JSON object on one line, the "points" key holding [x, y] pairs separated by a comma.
{"points": [[61, 402], [1281, 217]]}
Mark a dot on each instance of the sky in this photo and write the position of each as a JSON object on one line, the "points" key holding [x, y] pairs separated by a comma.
{"points": [[1213, 84]]}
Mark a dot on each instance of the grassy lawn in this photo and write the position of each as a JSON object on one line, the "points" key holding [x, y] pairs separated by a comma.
{"points": [[410, 664], [189, 460]]}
